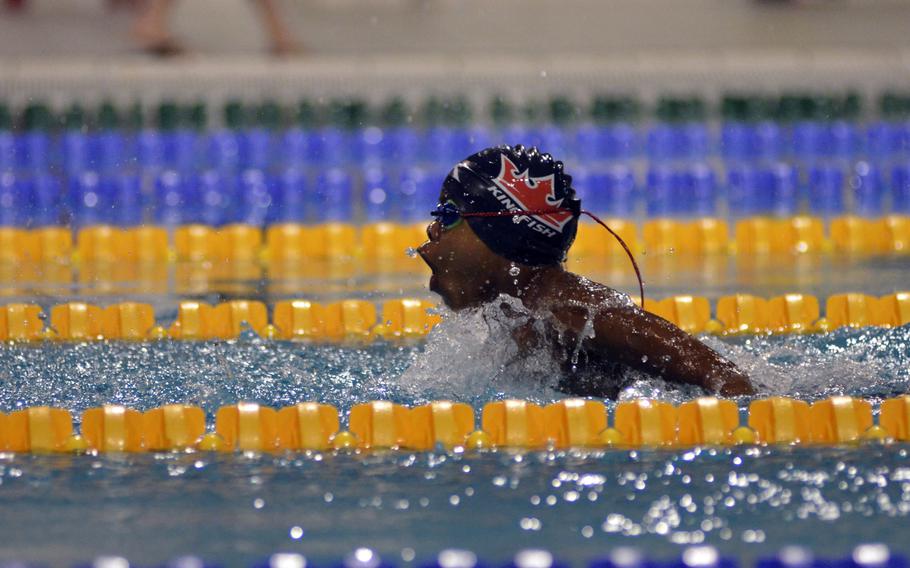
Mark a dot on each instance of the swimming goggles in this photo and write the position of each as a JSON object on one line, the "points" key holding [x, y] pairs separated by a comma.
{"points": [[447, 214]]}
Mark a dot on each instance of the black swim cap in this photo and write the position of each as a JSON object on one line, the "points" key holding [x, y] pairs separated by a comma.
{"points": [[517, 179]]}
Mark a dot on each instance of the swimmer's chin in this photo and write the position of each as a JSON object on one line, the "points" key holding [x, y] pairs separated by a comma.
{"points": [[434, 287], [447, 298]]}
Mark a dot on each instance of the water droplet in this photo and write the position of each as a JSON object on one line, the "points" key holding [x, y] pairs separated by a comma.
{"points": [[644, 358], [514, 271], [411, 252]]}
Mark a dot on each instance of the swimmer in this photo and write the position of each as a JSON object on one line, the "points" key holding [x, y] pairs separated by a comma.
{"points": [[505, 221]]}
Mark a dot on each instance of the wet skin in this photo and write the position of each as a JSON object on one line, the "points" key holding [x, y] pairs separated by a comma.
{"points": [[466, 273]]}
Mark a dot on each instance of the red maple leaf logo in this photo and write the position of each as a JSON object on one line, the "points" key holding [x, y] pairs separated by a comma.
{"points": [[532, 193]]}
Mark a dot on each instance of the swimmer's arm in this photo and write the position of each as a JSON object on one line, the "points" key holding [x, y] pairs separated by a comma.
{"points": [[651, 344]]}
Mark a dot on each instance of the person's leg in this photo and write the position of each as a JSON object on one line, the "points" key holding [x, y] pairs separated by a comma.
{"points": [[152, 29], [280, 38], [15, 5]]}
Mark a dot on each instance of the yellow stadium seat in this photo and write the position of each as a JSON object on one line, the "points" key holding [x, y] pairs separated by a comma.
{"points": [[286, 242], [385, 240], [333, 241], [440, 422], [651, 306], [793, 313], [839, 419], [195, 243], [801, 234], [15, 244], [38, 429], [238, 242], [307, 426], [575, 422], [350, 320], [247, 427], [406, 318], [514, 423], [707, 235], [851, 310], [755, 235], [172, 427], [113, 428], [300, 319], [20, 322], [857, 235], [228, 318], [780, 420], [742, 313], [416, 233], [76, 321], [893, 310], [101, 243], [593, 241], [146, 244], [51, 244], [896, 230], [663, 236], [380, 424], [128, 320], [707, 420], [646, 422]]}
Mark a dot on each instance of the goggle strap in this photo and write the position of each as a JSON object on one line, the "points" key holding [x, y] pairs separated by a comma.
{"points": [[641, 285]]}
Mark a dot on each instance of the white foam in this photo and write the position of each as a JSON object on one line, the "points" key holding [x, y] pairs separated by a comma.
{"points": [[473, 350]]}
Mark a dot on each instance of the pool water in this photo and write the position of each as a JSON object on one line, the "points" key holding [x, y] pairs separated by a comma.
{"points": [[237, 508]]}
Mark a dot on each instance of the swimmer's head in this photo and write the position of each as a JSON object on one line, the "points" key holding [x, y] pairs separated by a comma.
{"points": [[470, 247], [517, 179]]}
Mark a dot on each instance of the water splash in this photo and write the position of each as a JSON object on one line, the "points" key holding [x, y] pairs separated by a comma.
{"points": [[472, 355], [868, 362]]}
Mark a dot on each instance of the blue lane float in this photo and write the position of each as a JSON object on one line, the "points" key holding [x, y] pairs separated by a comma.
{"points": [[862, 556]]}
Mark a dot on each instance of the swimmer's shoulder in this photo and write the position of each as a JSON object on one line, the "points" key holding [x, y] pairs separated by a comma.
{"points": [[572, 300], [574, 290]]}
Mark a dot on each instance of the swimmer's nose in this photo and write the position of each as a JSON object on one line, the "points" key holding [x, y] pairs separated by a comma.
{"points": [[423, 252], [434, 230]]}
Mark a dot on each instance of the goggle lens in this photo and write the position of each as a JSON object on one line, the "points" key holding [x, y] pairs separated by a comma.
{"points": [[447, 214]]}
